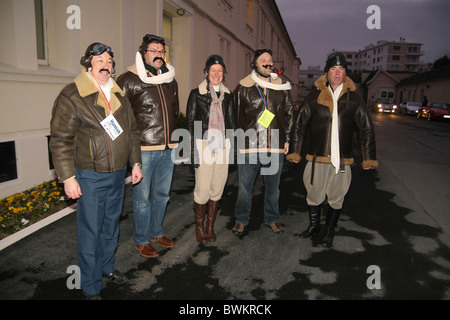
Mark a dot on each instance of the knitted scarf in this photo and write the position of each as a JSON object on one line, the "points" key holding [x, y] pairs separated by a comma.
{"points": [[216, 126]]}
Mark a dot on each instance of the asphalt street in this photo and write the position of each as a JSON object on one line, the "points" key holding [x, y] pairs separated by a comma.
{"points": [[392, 241]]}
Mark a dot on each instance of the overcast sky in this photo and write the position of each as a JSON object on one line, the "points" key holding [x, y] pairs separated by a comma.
{"points": [[316, 27]]}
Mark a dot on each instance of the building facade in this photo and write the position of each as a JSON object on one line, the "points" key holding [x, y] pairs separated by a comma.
{"points": [[43, 40], [433, 84], [399, 56]]}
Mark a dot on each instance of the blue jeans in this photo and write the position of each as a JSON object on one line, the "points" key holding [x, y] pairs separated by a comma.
{"points": [[151, 194], [98, 214], [271, 165]]}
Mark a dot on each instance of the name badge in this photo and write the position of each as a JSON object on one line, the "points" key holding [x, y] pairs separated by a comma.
{"points": [[266, 118], [112, 127]]}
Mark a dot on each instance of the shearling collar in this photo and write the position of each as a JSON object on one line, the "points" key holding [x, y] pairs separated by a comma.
{"points": [[325, 97], [202, 88], [86, 87], [139, 69], [276, 84]]}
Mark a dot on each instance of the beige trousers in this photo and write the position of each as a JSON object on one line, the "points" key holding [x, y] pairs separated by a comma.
{"points": [[326, 184], [211, 176]]}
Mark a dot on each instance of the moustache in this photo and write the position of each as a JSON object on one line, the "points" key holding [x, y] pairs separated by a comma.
{"points": [[101, 70], [159, 58], [268, 66]]}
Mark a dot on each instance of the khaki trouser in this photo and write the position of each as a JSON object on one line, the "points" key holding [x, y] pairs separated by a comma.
{"points": [[211, 176], [326, 184]]}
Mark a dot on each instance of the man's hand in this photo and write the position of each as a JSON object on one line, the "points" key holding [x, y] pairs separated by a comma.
{"points": [[286, 148], [72, 189], [136, 175]]}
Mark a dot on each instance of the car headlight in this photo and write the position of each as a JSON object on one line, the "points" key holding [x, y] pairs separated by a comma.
{"points": [[380, 105], [395, 107]]}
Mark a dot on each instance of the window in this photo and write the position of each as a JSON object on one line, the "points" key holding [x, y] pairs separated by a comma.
{"points": [[8, 165], [167, 35], [250, 13], [41, 46], [225, 50]]}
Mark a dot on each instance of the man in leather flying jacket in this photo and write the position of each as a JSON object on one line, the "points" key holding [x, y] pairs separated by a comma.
{"points": [[153, 92], [265, 119], [329, 117]]}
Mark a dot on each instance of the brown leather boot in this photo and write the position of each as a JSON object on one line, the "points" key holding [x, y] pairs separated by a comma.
{"points": [[199, 210], [212, 214]]}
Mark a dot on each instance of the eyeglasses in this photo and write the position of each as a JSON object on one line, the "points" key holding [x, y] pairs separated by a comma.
{"points": [[153, 51], [99, 48]]}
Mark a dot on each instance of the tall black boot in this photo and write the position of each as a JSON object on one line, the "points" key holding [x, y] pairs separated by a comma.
{"points": [[330, 223], [314, 222]]}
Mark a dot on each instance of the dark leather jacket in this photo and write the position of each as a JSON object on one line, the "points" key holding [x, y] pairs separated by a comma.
{"points": [[315, 117], [250, 106], [77, 138], [155, 107], [197, 109]]}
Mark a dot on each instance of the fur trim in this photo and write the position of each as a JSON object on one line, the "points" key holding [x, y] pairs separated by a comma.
{"points": [[370, 164], [86, 86], [321, 159], [325, 97], [203, 90], [293, 157]]}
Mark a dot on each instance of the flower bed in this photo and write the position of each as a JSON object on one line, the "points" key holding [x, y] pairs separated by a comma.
{"points": [[23, 209]]}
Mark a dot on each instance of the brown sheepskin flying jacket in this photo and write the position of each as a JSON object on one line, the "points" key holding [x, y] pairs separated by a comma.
{"points": [[315, 117], [249, 108], [155, 107], [78, 140]]}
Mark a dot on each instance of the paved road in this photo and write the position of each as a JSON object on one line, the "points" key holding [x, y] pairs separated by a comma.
{"points": [[394, 232]]}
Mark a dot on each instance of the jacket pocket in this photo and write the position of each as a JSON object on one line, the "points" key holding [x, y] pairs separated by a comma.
{"points": [[92, 148]]}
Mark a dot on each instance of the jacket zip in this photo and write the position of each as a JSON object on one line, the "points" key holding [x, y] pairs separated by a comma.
{"points": [[328, 146], [108, 143], [165, 113]]}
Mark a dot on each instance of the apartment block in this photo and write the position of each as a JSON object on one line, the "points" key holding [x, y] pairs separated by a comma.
{"points": [[399, 56]]}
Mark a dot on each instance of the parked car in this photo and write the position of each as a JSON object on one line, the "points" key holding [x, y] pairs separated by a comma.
{"points": [[410, 107], [384, 105], [435, 111]]}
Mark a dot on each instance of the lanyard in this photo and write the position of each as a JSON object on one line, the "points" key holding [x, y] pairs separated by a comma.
{"points": [[107, 101], [266, 101]]}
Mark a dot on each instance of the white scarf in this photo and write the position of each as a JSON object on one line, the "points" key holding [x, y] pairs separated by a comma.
{"points": [[159, 79], [335, 152], [106, 88], [270, 85]]}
